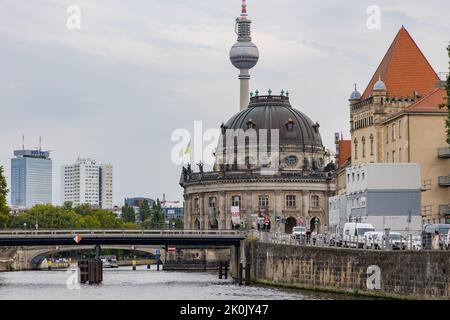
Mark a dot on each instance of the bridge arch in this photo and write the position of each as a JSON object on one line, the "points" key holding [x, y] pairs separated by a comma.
{"points": [[37, 256]]}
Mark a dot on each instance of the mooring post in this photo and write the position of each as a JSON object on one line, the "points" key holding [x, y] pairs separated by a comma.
{"points": [[247, 273], [220, 269], [97, 252], [240, 273]]}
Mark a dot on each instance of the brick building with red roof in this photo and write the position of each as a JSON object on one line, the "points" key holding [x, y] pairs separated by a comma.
{"points": [[399, 118]]}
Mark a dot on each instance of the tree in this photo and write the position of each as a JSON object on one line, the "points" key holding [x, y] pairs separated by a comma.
{"points": [[157, 215], [178, 223], [447, 122], [4, 210], [52, 217], [144, 210], [128, 214], [68, 205]]}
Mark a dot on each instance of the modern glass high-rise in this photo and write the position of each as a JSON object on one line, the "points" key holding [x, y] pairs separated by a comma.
{"points": [[31, 178]]}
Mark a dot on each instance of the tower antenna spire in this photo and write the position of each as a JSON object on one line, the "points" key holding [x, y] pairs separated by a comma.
{"points": [[40, 143], [23, 142], [244, 54], [244, 8]]}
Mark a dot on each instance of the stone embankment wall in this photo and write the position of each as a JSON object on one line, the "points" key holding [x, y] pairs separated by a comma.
{"points": [[195, 259], [396, 274]]}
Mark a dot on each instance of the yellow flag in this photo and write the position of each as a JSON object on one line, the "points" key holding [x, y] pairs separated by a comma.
{"points": [[188, 149]]}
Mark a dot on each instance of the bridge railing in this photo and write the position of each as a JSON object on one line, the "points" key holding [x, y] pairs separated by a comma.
{"points": [[125, 233]]}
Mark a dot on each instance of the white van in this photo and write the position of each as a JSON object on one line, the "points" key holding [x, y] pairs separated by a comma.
{"points": [[353, 234], [376, 240]]}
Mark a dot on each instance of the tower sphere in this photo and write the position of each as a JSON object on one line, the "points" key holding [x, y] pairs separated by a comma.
{"points": [[244, 55]]}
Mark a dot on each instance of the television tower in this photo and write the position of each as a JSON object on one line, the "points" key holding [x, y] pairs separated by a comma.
{"points": [[244, 54]]}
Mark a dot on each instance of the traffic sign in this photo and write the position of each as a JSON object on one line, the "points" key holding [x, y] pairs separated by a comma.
{"points": [[77, 239], [158, 251], [171, 249]]}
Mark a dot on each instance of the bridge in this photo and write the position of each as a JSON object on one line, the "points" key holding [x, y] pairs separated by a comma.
{"points": [[120, 237], [43, 242]]}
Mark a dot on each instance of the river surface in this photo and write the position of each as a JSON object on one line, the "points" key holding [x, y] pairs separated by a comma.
{"points": [[123, 283]]}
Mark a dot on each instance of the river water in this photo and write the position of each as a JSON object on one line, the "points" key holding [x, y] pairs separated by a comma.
{"points": [[123, 283]]}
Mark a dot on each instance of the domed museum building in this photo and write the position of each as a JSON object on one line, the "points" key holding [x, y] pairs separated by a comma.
{"points": [[271, 170]]}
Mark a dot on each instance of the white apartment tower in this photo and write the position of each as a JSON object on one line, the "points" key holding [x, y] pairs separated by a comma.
{"points": [[87, 182]]}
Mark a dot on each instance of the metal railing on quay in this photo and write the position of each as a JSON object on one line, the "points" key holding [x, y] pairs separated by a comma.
{"points": [[404, 242]]}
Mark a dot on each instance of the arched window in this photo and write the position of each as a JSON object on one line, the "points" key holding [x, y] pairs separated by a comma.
{"points": [[356, 148], [363, 147], [236, 201], [371, 145]]}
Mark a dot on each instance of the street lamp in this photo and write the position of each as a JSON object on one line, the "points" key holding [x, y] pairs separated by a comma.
{"points": [[24, 225]]}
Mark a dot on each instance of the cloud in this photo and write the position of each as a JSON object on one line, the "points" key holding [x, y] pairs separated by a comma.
{"points": [[137, 70]]}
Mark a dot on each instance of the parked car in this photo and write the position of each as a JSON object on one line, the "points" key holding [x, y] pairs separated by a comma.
{"points": [[335, 240], [109, 261], [298, 232], [397, 241], [416, 243], [447, 241], [353, 234], [430, 230]]}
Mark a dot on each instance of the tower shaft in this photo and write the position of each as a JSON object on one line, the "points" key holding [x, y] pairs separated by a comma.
{"points": [[244, 78]]}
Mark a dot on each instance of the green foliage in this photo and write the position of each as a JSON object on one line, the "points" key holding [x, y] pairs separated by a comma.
{"points": [[128, 214], [4, 210], [447, 103], [157, 215], [147, 224], [144, 210], [83, 217], [178, 223], [155, 219], [68, 205], [447, 122]]}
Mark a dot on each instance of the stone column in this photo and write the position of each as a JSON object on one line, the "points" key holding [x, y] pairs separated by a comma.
{"points": [[277, 211], [223, 211], [249, 208], [187, 212], [305, 205], [201, 206]]}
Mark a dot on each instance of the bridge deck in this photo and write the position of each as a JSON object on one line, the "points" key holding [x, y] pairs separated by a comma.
{"points": [[120, 237]]}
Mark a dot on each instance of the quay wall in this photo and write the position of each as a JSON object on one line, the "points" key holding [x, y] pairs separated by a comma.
{"points": [[195, 259], [401, 274]]}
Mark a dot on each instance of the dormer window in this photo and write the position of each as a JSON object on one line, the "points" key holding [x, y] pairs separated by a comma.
{"points": [[290, 125], [223, 128], [316, 127], [251, 124]]}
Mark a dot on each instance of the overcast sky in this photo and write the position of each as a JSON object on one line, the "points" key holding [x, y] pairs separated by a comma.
{"points": [[138, 69]]}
